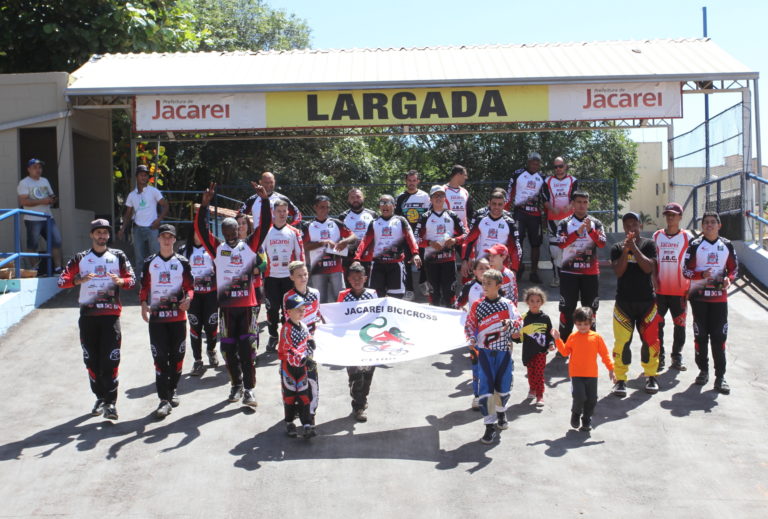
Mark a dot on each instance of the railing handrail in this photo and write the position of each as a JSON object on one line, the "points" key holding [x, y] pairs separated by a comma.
{"points": [[11, 212], [755, 177]]}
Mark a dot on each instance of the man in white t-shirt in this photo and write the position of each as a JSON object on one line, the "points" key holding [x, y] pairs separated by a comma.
{"points": [[35, 194], [141, 207]]}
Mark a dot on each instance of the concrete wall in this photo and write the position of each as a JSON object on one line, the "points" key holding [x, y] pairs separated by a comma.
{"points": [[651, 190]]}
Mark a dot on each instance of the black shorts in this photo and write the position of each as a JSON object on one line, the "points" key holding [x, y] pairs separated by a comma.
{"points": [[387, 278], [530, 225]]}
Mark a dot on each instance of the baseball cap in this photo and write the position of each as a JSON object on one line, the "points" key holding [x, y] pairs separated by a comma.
{"points": [[673, 207], [141, 168], [534, 156], [100, 223], [166, 227], [436, 189], [32, 162], [630, 214], [295, 301], [498, 248]]}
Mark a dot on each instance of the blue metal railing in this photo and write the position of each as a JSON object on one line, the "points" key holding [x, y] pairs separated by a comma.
{"points": [[17, 254], [693, 197]]}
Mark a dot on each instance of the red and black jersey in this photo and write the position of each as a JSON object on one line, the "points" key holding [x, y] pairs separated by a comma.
{"points": [[580, 250], [670, 251], [357, 221], [558, 192], [509, 285], [294, 215], [386, 239], [311, 310], [485, 323], [98, 295], [282, 246], [457, 199], [320, 261], [487, 231], [524, 192], [439, 227], [234, 263], [203, 270], [293, 347], [346, 296], [719, 257], [165, 282]]}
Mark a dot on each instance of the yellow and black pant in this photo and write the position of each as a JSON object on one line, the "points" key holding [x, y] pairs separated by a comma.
{"points": [[628, 315]]}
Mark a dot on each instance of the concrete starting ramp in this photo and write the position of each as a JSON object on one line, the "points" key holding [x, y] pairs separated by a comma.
{"points": [[684, 452]]}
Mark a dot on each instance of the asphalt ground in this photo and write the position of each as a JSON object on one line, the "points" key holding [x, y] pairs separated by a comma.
{"points": [[684, 452]]}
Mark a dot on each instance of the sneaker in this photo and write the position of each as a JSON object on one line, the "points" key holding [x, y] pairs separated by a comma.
{"points": [[174, 399], [702, 378], [408, 295], [503, 423], [164, 409], [531, 396], [574, 420], [476, 404], [620, 388], [213, 359], [678, 365], [197, 369], [235, 394], [540, 402], [249, 398], [721, 386], [309, 431], [586, 424], [490, 434], [651, 386], [360, 415], [535, 277], [272, 344], [98, 408], [425, 289], [290, 430], [555, 282], [662, 365], [110, 412]]}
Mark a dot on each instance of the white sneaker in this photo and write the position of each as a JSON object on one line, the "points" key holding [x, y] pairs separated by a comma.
{"points": [[408, 296], [425, 289], [531, 396], [476, 403], [555, 282]]}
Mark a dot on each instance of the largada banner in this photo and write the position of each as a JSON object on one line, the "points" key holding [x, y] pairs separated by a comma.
{"points": [[385, 331], [413, 106]]}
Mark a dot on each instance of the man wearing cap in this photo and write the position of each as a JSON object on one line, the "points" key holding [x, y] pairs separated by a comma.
{"points": [[167, 288], [100, 272], [411, 204], [324, 239], [438, 232], [234, 260], [579, 236], [557, 192], [35, 194], [634, 261], [252, 205], [389, 244], [671, 286], [141, 208], [523, 200]]}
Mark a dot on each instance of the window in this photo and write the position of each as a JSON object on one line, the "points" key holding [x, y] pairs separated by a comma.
{"points": [[657, 209], [657, 189]]}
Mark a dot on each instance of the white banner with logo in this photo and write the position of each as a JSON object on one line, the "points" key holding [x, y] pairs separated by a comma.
{"points": [[200, 112], [385, 331], [615, 101]]}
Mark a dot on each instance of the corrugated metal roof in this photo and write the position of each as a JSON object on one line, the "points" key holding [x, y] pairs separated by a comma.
{"points": [[587, 62]]}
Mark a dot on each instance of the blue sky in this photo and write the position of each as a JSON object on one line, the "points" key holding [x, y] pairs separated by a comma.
{"points": [[738, 26]]}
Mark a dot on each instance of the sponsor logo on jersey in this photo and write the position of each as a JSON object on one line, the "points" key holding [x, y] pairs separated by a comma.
{"points": [[441, 229], [165, 277], [386, 232], [100, 271], [325, 234], [712, 258], [493, 234]]}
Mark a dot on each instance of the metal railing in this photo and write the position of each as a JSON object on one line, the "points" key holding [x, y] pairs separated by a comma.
{"points": [[722, 204], [759, 218], [17, 255]]}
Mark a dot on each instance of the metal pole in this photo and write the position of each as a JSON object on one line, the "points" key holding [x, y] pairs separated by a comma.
{"points": [[707, 171], [759, 166], [615, 204], [17, 244], [695, 206], [747, 200]]}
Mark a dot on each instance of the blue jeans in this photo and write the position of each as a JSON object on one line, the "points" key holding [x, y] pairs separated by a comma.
{"points": [[144, 243], [37, 229]]}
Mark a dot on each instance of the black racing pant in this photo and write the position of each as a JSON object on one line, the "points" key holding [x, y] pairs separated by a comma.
{"points": [[239, 340], [360, 378], [441, 277], [528, 225], [203, 315], [388, 278], [710, 325], [275, 289], [677, 306], [100, 339], [296, 392], [575, 288], [584, 391], [169, 343]]}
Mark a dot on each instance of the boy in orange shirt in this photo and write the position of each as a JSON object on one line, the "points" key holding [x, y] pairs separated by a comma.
{"points": [[583, 348]]}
